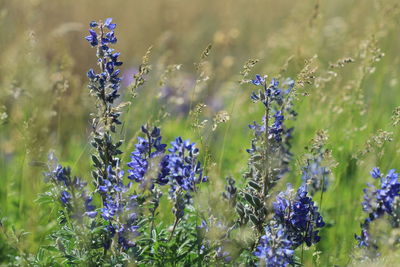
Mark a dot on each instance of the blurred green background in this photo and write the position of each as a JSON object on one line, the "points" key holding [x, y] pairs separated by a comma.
{"points": [[348, 50]]}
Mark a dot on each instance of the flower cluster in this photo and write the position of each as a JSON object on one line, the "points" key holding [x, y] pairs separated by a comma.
{"points": [[178, 167], [123, 232], [299, 216], [122, 214], [147, 148], [296, 221], [185, 173], [185, 170], [378, 202], [106, 83], [274, 248], [70, 191]]}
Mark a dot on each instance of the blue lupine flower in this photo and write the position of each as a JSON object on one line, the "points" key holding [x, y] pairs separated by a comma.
{"points": [[70, 189], [258, 80], [376, 173], [93, 24], [110, 208], [185, 170], [89, 207], [299, 216], [278, 107], [92, 38], [184, 173], [274, 248], [276, 129], [378, 202], [258, 129], [146, 149], [108, 59], [109, 25], [65, 197]]}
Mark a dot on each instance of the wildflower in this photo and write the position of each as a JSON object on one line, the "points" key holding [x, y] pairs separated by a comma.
{"points": [[109, 25], [119, 207], [378, 202], [146, 149], [376, 173], [108, 78], [185, 170], [272, 140], [92, 38], [65, 197], [270, 148], [71, 192], [299, 216], [274, 248]]}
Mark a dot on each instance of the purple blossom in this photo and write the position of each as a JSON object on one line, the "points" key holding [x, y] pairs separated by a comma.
{"points": [[299, 216], [147, 148], [274, 248], [378, 202]]}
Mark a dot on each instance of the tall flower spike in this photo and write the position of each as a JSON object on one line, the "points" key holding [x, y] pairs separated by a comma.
{"points": [[105, 86], [270, 148], [119, 207], [271, 142]]}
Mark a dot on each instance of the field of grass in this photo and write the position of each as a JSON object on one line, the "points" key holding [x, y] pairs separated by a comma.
{"points": [[342, 54]]}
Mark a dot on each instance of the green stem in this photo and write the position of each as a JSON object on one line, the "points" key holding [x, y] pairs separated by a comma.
{"points": [[266, 156], [173, 229]]}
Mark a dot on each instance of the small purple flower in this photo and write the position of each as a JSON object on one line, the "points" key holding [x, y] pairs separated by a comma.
{"points": [[299, 216], [65, 197], [315, 176], [108, 80], [92, 38], [376, 173], [258, 80], [146, 149], [378, 202], [109, 25], [93, 24], [275, 248]]}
